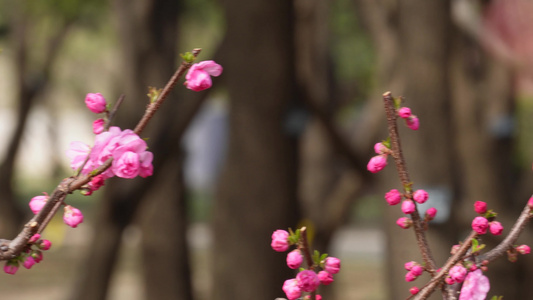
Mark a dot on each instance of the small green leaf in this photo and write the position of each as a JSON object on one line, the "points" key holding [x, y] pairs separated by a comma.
{"points": [[323, 256], [386, 142], [153, 93], [188, 57]]}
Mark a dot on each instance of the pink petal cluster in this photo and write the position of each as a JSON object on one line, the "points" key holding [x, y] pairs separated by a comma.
{"points": [[291, 289], [11, 267], [393, 197], [199, 75], [72, 216], [377, 163], [379, 148], [325, 277], [480, 225], [294, 259], [98, 126], [34, 238], [96, 182], [480, 207], [45, 245], [414, 290], [414, 270], [280, 240], [332, 265], [431, 213], [404, 112], [29, 262], [475, 287], [457, 274], [495, 227], [523, 249], [404, 222], [530, 202], [95, 102], [420, 196], [37, 203], [413, 122], [408, 207], [307, 280]]}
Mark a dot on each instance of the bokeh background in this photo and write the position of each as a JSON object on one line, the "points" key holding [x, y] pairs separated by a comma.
{"points": [[281, 140]]}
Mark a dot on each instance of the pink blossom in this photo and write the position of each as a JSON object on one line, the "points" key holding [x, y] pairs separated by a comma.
{"points": [[530, 202], [408, 207], [404, 112], [37, 203], [410, 276], [379, 148], [307, 280], [480, 207], [417, 270], [11, 267], [28, 262], [72, 216], [414, 290], [291, 289], [294, 259], [332, 265], [458, 273], [325, 277], [431, 213], [496, 228], [127, 165], [198, 78], [475, 287], [280, 240], [420, 196], [77, 153], [95, 102], [37, 256], [34, 238], [409, 265], [393, 197], [523, 249], [45, 244], [480, 225], [98, 126], [404, 222], [96, 182], [449, 280], [413, 122], [377, 163]]}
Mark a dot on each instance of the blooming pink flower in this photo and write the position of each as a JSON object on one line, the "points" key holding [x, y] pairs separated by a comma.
{"points": [[404, 222], [72, 216], [413, 122], [98, 126], [291, 289], [523, 249], [496, 228], [127, 165], [458, 273], [11, 267], [480, 225], [393, 197], [332, 265], [325, 277], [198, 78], [280, 240], [475, 287], [45, 244], [420, 196], [414, 290], [34, 238], [431, 213], [95, 102], [417, 270], [77, 153], [307, 280], [480, 207], [404, 112], [377, 163], [408, 207], [379, 148], [294, 259], [410, 276], [28, 262], [37, 203]]}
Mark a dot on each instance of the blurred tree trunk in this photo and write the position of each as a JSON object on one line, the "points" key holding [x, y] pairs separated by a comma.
{"points": [[258, 185], [149, 38]]}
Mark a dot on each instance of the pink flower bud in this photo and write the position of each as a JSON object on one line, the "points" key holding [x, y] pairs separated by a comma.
{"points": [[198, 78], [307, 280], [417, 270], [377, 163], [480, 225], [45, 245], [431, 213], [98, 126], [280, 240], [458, 273], [37, 203], [408, 207], [404, 222], [523, 249], [332, 265], [455, 248], [34, 238], [291, 289], [449, 280], [95, 102], [413, 122], [410, 276], [496, 228], [379, 148], [480, 207], [414, 290], [530, 202], [393, 197], [325, 277], [294, 259], [28, 262], [420, 196], [409, 265], [37, 256], [96, 182], [404, 112], [11, 267], [72, 216], [308, 297]]}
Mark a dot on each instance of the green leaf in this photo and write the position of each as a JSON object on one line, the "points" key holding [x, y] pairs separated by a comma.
{"points": [[323, 256], [188, 57]]}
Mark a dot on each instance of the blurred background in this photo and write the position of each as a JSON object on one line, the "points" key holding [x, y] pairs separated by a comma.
{"points": [[281, 140]]}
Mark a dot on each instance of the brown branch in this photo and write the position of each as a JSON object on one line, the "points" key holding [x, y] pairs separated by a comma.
{"points": [[304, 247], [406, 182]]}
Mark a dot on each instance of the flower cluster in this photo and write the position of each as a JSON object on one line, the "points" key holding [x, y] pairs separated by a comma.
{"points": [[307, 280], [410, 120], [72, 216], [486, 221], [32, 255], [394, 197]]}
